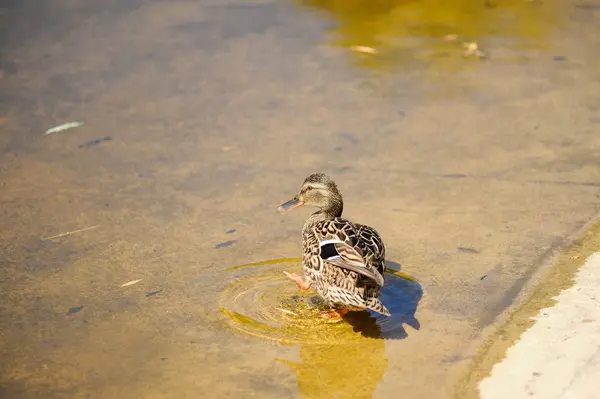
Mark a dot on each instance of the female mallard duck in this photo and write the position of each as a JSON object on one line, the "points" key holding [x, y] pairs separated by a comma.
{"points": [[344, 260]]}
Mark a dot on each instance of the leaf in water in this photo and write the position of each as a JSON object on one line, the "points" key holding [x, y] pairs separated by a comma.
{"points": [[64, 126], [365, 49], [472, 48], [132, 282]]}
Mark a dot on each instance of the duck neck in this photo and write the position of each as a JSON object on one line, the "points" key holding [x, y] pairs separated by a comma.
{"points": [[334, 210]]}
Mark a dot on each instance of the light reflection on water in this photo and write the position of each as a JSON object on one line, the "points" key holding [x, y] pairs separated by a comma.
{"points": [[345, 358]]}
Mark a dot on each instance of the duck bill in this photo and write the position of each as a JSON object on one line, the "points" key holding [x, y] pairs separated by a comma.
{"points": [[293, 203]]}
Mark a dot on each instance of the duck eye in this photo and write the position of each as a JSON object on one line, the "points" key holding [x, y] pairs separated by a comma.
{"points": [[309, 188]]}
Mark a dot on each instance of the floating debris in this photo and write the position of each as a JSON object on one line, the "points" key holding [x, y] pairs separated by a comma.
{"points": [[75, 309], [95, 142], [230, 231], [132, 282], [483, 277], [149, 294], [364, 49], [472, 48], [451, 37], [64, 126], [69, 233]]}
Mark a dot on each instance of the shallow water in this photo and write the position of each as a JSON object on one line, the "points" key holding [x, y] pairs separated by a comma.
{"points": [[267, 305], [406, 32], [263, 303], [472, 169]]}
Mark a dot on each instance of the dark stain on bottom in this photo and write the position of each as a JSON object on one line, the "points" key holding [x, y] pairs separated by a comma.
{"points": [[468, 250], [95, 142], [225, 244], [455, 176], [588, 6], [75, 309]]}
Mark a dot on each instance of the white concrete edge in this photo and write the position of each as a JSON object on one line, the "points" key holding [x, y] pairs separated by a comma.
{"points": [[559, 356]]}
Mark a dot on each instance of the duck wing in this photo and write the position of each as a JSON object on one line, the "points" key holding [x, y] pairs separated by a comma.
{"points": [[371, 241], [339, 245]]}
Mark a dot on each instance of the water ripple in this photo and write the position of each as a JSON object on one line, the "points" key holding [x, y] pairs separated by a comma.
{"points": [[262, 302]]}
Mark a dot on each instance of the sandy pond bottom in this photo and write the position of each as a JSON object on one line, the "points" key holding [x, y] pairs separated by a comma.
{"points": [[473, 170]]}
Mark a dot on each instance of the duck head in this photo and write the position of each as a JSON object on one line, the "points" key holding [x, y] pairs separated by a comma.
{"points": [[319, 191]]}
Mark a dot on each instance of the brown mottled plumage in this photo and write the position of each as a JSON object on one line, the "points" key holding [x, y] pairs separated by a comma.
{"points": [[345, 261]]}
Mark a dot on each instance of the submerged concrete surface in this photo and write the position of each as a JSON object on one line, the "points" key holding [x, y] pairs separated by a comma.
{"points": [[559, 356], [473, 171]]}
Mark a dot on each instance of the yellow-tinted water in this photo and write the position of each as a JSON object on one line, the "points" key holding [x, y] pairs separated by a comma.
{"points": [[342, 358], [242, 102], [435, 30]]}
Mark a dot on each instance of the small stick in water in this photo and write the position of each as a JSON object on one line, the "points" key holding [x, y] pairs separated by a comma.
{"points": [[286, 311], [132, 282], [68, 233]]}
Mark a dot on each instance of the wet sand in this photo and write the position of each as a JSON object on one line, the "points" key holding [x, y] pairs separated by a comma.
{"points": [[473, 171]]}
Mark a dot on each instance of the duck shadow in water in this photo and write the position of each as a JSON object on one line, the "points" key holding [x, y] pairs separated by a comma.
{"points": [[401, 296]]}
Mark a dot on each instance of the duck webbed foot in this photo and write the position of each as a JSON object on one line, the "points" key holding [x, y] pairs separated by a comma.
{"points": [[334, 313], [303, 285]]}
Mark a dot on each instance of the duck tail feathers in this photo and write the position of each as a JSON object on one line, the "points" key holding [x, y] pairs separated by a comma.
{"points": [[377, 306]]}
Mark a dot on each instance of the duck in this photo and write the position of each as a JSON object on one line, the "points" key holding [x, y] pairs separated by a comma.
{"points": [[343, 261]]}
